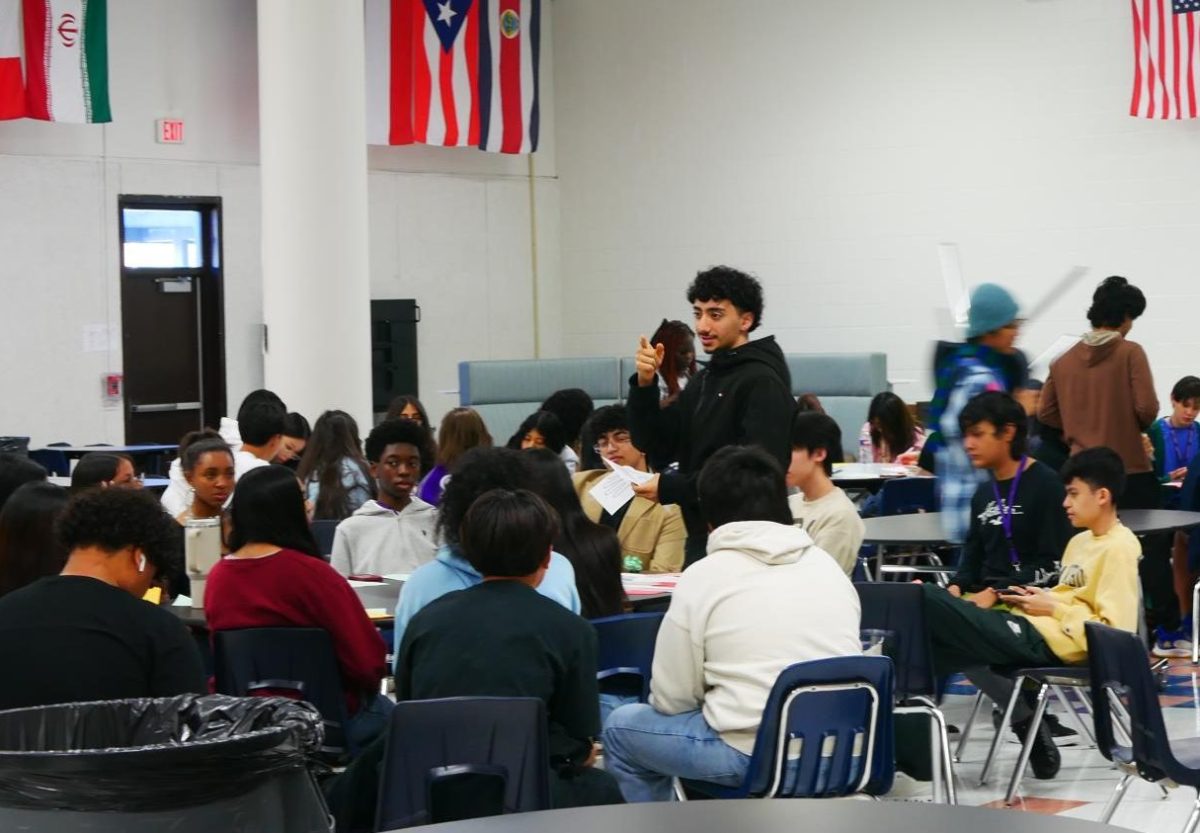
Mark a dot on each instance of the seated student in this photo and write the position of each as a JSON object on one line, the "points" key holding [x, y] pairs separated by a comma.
{"points": [[1018, 529], [86, 634], [262, 422], [395, 532], [275, 578], [296, 432], [572, 406], [15, 471], [822, 509], [765, 598], [529, 646], [477, 471], [336, 477], [541, 429], [1098, 583], [593, 550], [462, 429], [1176, 441], [890, 434], [207, 464], [29, 545], [651, 534], [103, 469]]}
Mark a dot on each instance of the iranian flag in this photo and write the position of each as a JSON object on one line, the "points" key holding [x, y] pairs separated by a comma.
{"points": [[66, 59], [12, 87]]}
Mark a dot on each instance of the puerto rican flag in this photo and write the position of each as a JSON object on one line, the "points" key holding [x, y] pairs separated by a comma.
{"points": [[12, 83], [455, 73]]}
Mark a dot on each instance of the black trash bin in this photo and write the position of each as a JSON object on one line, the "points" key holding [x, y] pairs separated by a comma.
{"points": [[14, 445], [184, 764]]}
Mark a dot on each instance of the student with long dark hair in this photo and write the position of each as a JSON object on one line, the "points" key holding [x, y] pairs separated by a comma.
{"points": [[593, 550], [336, 476], [407, 406], [572, 406], [15, 471], [275, 577], [100, 468], [890, 433], [541, 429], [296, 432], [29, 545]]}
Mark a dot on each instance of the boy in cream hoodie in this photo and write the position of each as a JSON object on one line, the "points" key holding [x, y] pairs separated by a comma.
{"points": [[1098, 583], [765, 598]]}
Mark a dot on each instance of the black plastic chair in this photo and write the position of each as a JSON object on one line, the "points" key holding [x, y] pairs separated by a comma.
{"points": [[898, 610], [908, 495], [52, 460], [285, 662], [463, 757], [625, 652], [1125, 693], [826, 732], [323, 532]]}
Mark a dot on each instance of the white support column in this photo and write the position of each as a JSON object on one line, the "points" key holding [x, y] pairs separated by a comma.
{"points": [[316, 287]]}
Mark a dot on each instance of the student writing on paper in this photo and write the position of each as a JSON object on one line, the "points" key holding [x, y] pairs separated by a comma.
{"points": [[651, 535]]}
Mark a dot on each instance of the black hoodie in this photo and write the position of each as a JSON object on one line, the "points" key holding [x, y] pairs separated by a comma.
{"points": [[743, 397]]}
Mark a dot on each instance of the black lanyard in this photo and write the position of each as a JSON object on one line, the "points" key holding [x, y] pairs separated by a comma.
{"points": [[1006, 511]]}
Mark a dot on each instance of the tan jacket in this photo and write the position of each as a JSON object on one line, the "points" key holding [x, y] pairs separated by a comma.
{"points": [[651, 531]]}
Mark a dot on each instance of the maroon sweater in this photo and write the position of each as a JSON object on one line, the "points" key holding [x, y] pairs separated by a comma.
{"points": [[291, 589]]}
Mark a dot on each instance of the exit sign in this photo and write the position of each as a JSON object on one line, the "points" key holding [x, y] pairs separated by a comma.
{"points": [[168, 131]]}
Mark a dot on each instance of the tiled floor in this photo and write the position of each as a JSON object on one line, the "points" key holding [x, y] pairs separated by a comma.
{"points": [[1086, 779]]}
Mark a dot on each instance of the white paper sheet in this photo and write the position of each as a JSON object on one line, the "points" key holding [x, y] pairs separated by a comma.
{"points": [[629, 474], [612, 492]]}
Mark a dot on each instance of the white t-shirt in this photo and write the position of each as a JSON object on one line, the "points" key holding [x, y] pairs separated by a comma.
{"points": [[834, 524]]}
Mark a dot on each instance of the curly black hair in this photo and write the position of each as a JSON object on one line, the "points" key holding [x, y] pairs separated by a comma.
{"points": [[396, 430], [1114, 300], [724, 283], [477, 471], [113, 519]]}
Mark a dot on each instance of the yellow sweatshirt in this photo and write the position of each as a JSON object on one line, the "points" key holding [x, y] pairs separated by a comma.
{"points": [[1099, 583]]}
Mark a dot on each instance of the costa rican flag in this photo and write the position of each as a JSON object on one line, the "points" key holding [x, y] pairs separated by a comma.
{"points": [[456, 73], [1166, 59]]}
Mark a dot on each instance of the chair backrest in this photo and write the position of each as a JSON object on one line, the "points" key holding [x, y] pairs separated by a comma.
{"points": [[1119, 664], [826, 731], [625, 651], [296, 662], [434, 746], [898, 608], [908, 495], [323, 532]]}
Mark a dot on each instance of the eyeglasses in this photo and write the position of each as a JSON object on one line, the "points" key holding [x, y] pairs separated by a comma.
{"points": [[612, 441]]}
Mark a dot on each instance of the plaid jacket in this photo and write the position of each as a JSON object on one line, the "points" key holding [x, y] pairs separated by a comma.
{"points": [[957, 478]]}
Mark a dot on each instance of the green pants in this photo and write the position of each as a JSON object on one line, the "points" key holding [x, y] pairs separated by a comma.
{"points": [[964, 636]]}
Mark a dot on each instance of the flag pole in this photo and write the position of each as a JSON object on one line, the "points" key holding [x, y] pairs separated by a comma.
{"points": [[533, 260]]}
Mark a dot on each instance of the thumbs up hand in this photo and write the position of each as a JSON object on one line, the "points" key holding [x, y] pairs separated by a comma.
{"points": [[649, 360]]}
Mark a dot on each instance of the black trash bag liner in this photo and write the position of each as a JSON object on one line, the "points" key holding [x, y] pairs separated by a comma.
{"points": [[150, 754]]}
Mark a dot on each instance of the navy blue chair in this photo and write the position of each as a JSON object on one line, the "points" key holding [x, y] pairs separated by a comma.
{"points": [[323, 532], [826, 732], [625, 652], [285, 662], [1128, 718], [908, 495], [463, 757], [898, 610], [52, 460]]}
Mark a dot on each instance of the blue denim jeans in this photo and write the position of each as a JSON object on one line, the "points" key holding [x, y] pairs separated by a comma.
{"points": [[644, 748], [369, 721]]}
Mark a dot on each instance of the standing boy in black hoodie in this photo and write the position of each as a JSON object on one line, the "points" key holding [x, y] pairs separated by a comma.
{"points": [[743, 396]]}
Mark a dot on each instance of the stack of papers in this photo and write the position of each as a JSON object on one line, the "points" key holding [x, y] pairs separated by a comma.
{"points": [[616, 489], [649, 584]]}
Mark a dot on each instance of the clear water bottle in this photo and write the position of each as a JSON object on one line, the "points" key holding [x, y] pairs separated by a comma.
{"points": [[865, 453]]}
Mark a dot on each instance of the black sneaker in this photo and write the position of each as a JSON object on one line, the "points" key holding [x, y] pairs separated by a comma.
{"points": [[1063, 735], [1044, 758]]}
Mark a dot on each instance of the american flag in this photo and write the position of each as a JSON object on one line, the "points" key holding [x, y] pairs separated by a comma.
{"points": [[1166, 49]]}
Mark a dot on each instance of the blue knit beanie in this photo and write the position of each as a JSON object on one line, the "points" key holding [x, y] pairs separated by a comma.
{"points": [[992, 307]]}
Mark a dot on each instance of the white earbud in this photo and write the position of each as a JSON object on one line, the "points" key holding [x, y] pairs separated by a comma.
{"points": [[142, 563]]}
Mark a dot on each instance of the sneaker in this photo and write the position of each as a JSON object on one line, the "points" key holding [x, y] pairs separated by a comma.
{"points": [[1044, 758], [1063, 735], [1171, 643]]}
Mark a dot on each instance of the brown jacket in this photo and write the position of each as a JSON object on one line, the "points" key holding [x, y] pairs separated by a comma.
{"points": [[1102, 394], [651, 531]]}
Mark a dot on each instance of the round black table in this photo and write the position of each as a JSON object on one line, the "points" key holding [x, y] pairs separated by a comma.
{"points": [[779, 815], [926, 527]]}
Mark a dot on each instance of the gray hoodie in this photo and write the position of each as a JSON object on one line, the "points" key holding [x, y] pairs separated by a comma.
{"points": [[378, 541]]}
